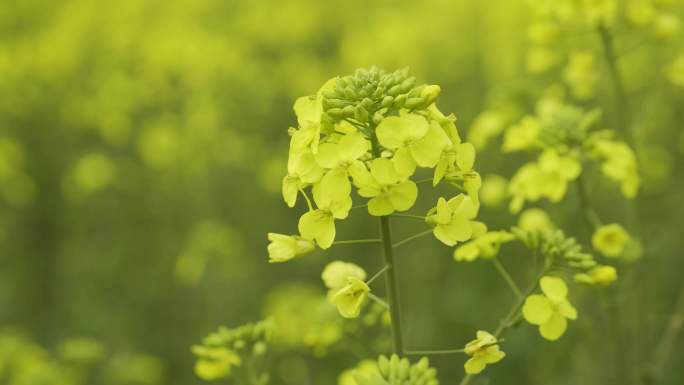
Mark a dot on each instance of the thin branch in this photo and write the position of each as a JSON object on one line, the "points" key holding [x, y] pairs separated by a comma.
{"points": [[412, 237], [357, 241], [507, 277], [377, 275], [433, 352], [378, 300], [409, 216], [306, 197]]}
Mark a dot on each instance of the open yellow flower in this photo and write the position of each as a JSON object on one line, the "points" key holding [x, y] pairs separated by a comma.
{"points": [[388, 189], [452, 220], [302, 170], [285, 247], [610, 240], [339, 158], [482, 351], [319, 224], [350, 297], [551, 310], [412, 133]]}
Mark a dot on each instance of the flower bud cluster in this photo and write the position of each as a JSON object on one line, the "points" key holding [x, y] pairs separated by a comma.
{"points": [[360, 95], [398, 371]]}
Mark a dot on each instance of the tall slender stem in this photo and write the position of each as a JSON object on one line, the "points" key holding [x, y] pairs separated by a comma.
{"points": [[616, 79], [590, 216], [391, 286]]}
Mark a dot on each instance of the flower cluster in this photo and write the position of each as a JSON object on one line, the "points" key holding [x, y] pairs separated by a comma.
{"points": [[370, 131]]}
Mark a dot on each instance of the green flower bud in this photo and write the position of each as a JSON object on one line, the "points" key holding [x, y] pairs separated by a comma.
{"points": [[394, 90], [431, 93], [348, 111], [407, 84], [399, 101], [387, 101], [414, 103], [336, 113], [360, 113]]}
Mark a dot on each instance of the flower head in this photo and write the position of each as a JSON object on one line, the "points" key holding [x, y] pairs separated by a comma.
{"points": [[610, 240], [285, 247], [551, 310], [482, 351]]}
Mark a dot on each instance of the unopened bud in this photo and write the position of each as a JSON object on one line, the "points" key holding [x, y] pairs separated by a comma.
{"points": [[431, 93]]}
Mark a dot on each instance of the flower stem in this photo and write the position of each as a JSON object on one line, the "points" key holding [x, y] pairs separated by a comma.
{"points": [[356, 241], [377, 275], [433, 352], [410, 216], [507, 277], [391, 286], [412, 237], [590, 216], [378, 300], [622, 108]]}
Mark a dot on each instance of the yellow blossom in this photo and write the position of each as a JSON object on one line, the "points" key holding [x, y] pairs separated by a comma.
{"points": [[551, 310], [610, 240], [482, 351]]}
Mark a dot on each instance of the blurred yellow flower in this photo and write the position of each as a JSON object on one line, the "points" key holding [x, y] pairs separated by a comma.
{"points": [[610, 240], [602, 275], [551, 310]]}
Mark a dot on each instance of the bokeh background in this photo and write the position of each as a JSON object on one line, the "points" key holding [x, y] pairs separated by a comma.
{"points": [[142, 146]]}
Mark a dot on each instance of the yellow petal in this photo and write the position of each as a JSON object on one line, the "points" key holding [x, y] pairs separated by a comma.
{"points": [[335, 185], [290, 190], [383, 171], [318, 225], [493, 354], [566, 309], [352, 146], [380, 206], [474, 365], [554, 288], [465, 156], [428, 150], [395, 131], [537, 309], [404, 164], [554, 327], [403, 195]]}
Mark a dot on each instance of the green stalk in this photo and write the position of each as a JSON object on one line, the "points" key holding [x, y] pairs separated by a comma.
{"points": [[391, 286], [616, 80]]}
